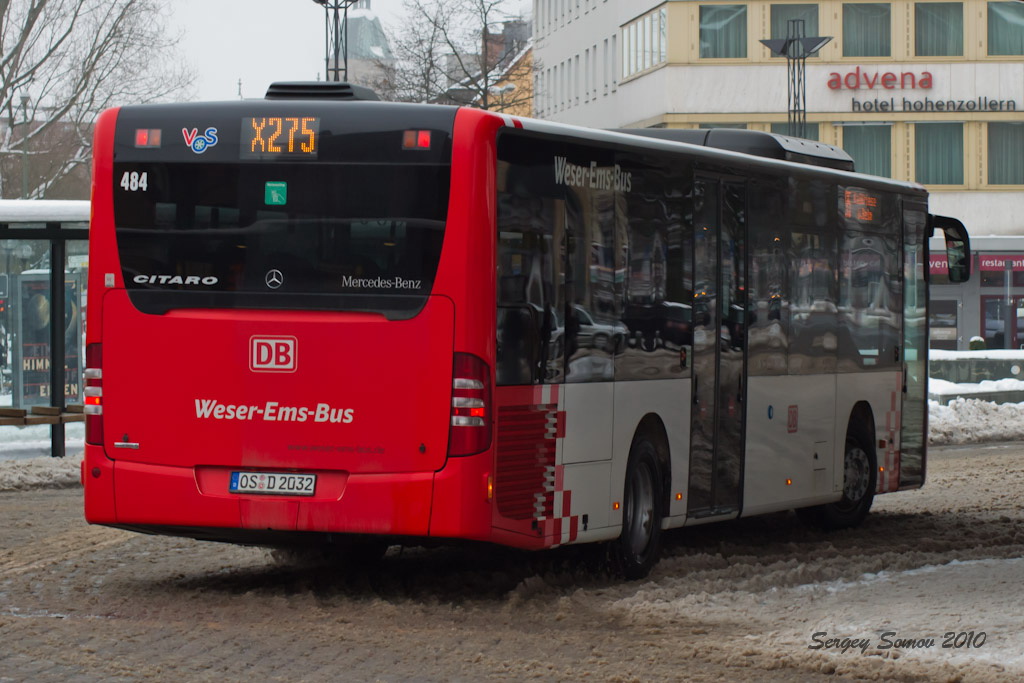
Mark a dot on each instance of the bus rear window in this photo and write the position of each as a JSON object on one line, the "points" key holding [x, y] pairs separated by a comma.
{"points": [[326, 236]]}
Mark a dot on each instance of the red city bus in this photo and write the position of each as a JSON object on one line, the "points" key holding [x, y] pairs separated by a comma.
{"points": [[324, 319]]}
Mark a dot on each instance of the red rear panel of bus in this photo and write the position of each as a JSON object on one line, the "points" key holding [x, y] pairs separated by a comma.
{"points": [[288, 304]]}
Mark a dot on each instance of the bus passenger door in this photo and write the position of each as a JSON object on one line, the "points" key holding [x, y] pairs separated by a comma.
{"points": [[719, 354], [914, 408]]}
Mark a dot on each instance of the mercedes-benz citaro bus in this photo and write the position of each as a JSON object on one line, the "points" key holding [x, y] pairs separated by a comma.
{"points": [[323, 319]]}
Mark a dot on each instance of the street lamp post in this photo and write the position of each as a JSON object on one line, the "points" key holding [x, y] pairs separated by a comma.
{"points": [[796, 48], [336, 38], [501, 91]]}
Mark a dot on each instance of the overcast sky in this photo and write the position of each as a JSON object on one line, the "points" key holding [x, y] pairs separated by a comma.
{"points": [[259, 42]]}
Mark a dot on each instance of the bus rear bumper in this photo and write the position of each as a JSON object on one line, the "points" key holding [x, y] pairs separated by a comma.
{"points": [[452, 503], [141, 495]]}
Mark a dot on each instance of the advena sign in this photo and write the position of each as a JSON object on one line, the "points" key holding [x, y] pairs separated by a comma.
{"points": [[857, 80]]}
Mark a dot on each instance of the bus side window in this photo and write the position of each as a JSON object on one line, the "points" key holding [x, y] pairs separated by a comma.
{"points": [[769, 289], [518, 342], [656, 235], [813, 255], [870, 283], [529, 329]]}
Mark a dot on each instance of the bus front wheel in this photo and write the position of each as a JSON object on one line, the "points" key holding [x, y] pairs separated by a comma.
{"points": [[859, 477], [636, 551]]}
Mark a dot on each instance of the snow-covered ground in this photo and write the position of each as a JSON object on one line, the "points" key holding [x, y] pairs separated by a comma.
{"points": [[928, 588]]}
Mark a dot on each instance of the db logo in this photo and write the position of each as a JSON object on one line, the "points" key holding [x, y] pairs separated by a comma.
{"points": [[272, 354]]}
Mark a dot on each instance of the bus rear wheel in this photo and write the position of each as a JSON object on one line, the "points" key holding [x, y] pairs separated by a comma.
{"points": [[637, 549], [859, 477]]}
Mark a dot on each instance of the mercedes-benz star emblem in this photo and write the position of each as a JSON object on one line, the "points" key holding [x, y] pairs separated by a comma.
{"points": [[275, 278]]}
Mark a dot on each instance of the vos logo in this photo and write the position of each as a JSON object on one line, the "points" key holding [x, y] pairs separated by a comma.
{"points": [[273, 354], [198, 143]]}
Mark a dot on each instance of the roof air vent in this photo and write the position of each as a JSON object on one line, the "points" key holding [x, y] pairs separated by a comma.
{"points": [[318, 90]]}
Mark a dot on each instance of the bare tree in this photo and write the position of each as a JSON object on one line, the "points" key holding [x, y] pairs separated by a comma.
{"points": [[61, 63], [471, 52]]}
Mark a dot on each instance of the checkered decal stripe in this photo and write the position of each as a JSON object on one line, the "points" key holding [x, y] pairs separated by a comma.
{"points": [[889, 475], [529, 481], [529, 425]]}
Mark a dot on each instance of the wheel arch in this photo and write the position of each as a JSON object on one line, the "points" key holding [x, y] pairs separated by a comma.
{"points": [[652, 427], [861, 426]]}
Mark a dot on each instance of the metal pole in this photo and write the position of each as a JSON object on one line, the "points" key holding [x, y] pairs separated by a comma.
{"points": [[57, 352], [336, 38], [344, 40], [1007, 329], [796, 48], [797, 88]]}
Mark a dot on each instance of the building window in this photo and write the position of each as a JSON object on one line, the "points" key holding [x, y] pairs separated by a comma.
{"points": [[647, 41], [1006, 28], [723, 31], [810, 130], [577, 80], [643, 43], [866, 30], [605, 55], [662, 29], [615, 79], [939, 29], [783, 14], [1005, 161], [939, 153], [625, 52], [634, 49], [870, 147], [708, 126]]}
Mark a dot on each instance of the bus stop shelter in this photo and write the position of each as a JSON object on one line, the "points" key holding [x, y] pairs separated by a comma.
{"points": [[43, 279]]}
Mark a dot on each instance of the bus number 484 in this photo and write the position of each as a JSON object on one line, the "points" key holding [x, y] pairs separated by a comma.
{"points": [[135, 181]]}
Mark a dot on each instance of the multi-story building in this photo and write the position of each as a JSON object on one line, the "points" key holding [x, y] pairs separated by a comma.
{"points": [[931, 92]]}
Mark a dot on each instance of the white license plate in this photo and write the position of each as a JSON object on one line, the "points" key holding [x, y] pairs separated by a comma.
{"points": [[277, 483]]}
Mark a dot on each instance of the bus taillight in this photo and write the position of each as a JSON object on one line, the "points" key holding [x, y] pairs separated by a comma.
{"points": [[416, 139], [471, 406], [94, 395]]}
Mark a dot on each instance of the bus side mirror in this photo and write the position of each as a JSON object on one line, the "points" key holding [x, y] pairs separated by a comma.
{"points": [[958, 247]]}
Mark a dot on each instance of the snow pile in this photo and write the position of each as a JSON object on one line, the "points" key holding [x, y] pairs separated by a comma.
{"points": [[941, 387], [38, 436], [968, 420], [36, 473], [984, 354]]}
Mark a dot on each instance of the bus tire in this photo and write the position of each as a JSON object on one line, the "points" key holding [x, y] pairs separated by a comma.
{"points": [[636, 551], [859, 480]]}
